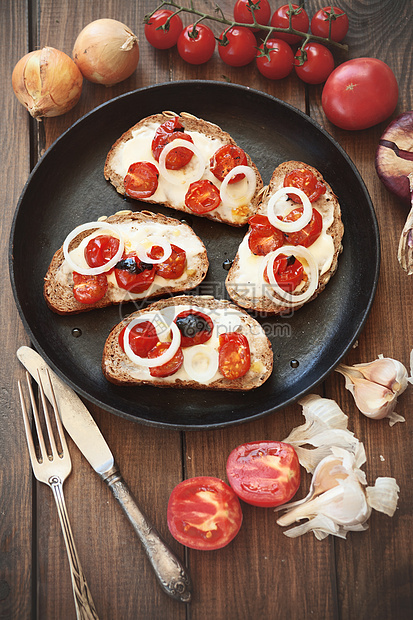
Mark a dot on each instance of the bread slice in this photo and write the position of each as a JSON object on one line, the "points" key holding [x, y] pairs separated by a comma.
{"points": [[119, 369], [135, 145], [58, 282], [245, 283]]}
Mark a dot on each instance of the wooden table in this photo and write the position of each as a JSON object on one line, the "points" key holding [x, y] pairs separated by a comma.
{"points": [[262, 573]]}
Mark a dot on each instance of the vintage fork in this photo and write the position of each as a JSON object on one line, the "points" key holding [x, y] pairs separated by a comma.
{"points": [[53, 469]]}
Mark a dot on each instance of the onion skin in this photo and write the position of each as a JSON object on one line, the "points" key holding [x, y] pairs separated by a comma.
{"points": [[47, 82], [106, 52]]}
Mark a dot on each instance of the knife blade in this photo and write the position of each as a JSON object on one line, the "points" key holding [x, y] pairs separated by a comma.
{"points": [[84, 431]]}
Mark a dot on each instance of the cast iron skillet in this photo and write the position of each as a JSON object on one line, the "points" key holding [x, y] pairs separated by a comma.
{"points": [[67, 188]]}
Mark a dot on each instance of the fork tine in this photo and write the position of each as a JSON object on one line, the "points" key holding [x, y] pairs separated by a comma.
{"points": [[59, 424], [43, 450], [28, 430], [50, 433]]}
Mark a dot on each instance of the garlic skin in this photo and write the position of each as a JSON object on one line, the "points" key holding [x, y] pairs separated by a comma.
{"points": [[375, 386], [47, 82]]}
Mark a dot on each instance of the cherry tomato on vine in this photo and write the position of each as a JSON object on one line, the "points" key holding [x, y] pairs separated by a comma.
{"points": [[305, 180], [264, 237], [288, 272], [299, 21], [89, 289], [234, 358], [264, 473], [174, 266], [142, 338], [169, 368], [318, 63], [163, 38], [141, 180], [237, 46], [202, 196], [243, 12], [225, 159], [196, 44], [307, 235], [204, 513], [275, 60], [100, 250], [320, 23]]}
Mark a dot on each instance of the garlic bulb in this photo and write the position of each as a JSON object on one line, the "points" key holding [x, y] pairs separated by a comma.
{"points": [[376, 386], [341, 501], [47, 82], [325, 426]]}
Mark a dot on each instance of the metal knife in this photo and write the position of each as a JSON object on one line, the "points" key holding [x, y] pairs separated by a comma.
{"points": [[84, 431]]}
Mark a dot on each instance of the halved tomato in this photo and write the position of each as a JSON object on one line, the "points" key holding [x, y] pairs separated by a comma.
{"points": [[133, 275], [174, 266], [141, 180], [264, 473], [234, 357], [204, 513], [288, 272], [307, 235], [225, 159], [305, 180], [89, 289], [142, 338], [202, 196], [168, 131], [100, 250], [264, 237], [195, 327], [169, 368]]}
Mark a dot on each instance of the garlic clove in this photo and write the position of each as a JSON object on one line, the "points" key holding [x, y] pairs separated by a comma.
{"points": [[373, 399], [385, 371]]}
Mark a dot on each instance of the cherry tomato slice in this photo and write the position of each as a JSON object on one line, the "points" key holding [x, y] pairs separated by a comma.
{"points": [[169, 368], [168, 131], [202, 196], [195, 327], [305, 180], [142, 338], [225, 159], [264, 237], [288, 272], [204, 513], [141, 180], [174, 266], [133, 275], [88, 289], [100, 250], [307, 235], [234, 357], [264, 473]]}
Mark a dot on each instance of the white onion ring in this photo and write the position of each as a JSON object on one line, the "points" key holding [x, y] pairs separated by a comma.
{"points": [[210, 353], [251, 181], [302, 221], [181, 179], [156, 361], [93, 271], [295, 250], [159, 241]]}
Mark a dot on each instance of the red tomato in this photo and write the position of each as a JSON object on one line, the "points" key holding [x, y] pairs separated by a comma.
{"points": [[169, 368], [162, 35], [174, 266], [264, 237], [234, 358], [307, 235], [204, 513], [320, 23], [360, 93], [168, 131], [288, 272], [225, 159], [275, 60], [100, 250], [133, 275], [195, 327], [202, 196], [89, 289], [142, 338], [237, 46], [243, 12], [264, 473], [141, 180], [196, 44], [314, 63], [299, 21], [305, 180]]}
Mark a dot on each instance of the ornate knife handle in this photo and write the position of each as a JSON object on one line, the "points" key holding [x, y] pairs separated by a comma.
{"points": [[171, 574]]}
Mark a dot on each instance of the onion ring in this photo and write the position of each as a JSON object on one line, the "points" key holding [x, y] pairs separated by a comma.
{"points": [[251, 180], [181, 179], [313, 274], [156, 361], [206, 351], [298, 224], [158, 241], [93, 271]]}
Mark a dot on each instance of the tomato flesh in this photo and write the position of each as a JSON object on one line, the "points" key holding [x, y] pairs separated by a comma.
{"points": [[169, 368], [304, 179], [288, 272], [195, 327], [204, 513], [141, 180], [89, 289], [202, 196], [225, 159], [142, 338], [264, 473], [100, 250], [234, 358], [174, 266], [307, 235], [264, 237], [167, 132], [133, 275]]}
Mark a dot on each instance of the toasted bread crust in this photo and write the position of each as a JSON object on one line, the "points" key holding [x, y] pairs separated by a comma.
{"points": [[264, 304], [190, 123], [115, 363], [59, 296]]}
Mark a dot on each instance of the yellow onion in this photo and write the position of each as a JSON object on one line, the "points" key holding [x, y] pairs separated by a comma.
{"points": [[47, 82], [106, 52]]}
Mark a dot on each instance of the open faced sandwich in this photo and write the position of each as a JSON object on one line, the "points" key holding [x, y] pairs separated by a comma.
{"points": [[292, 245], [124, 257], [188, 164], [189, 341]]}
